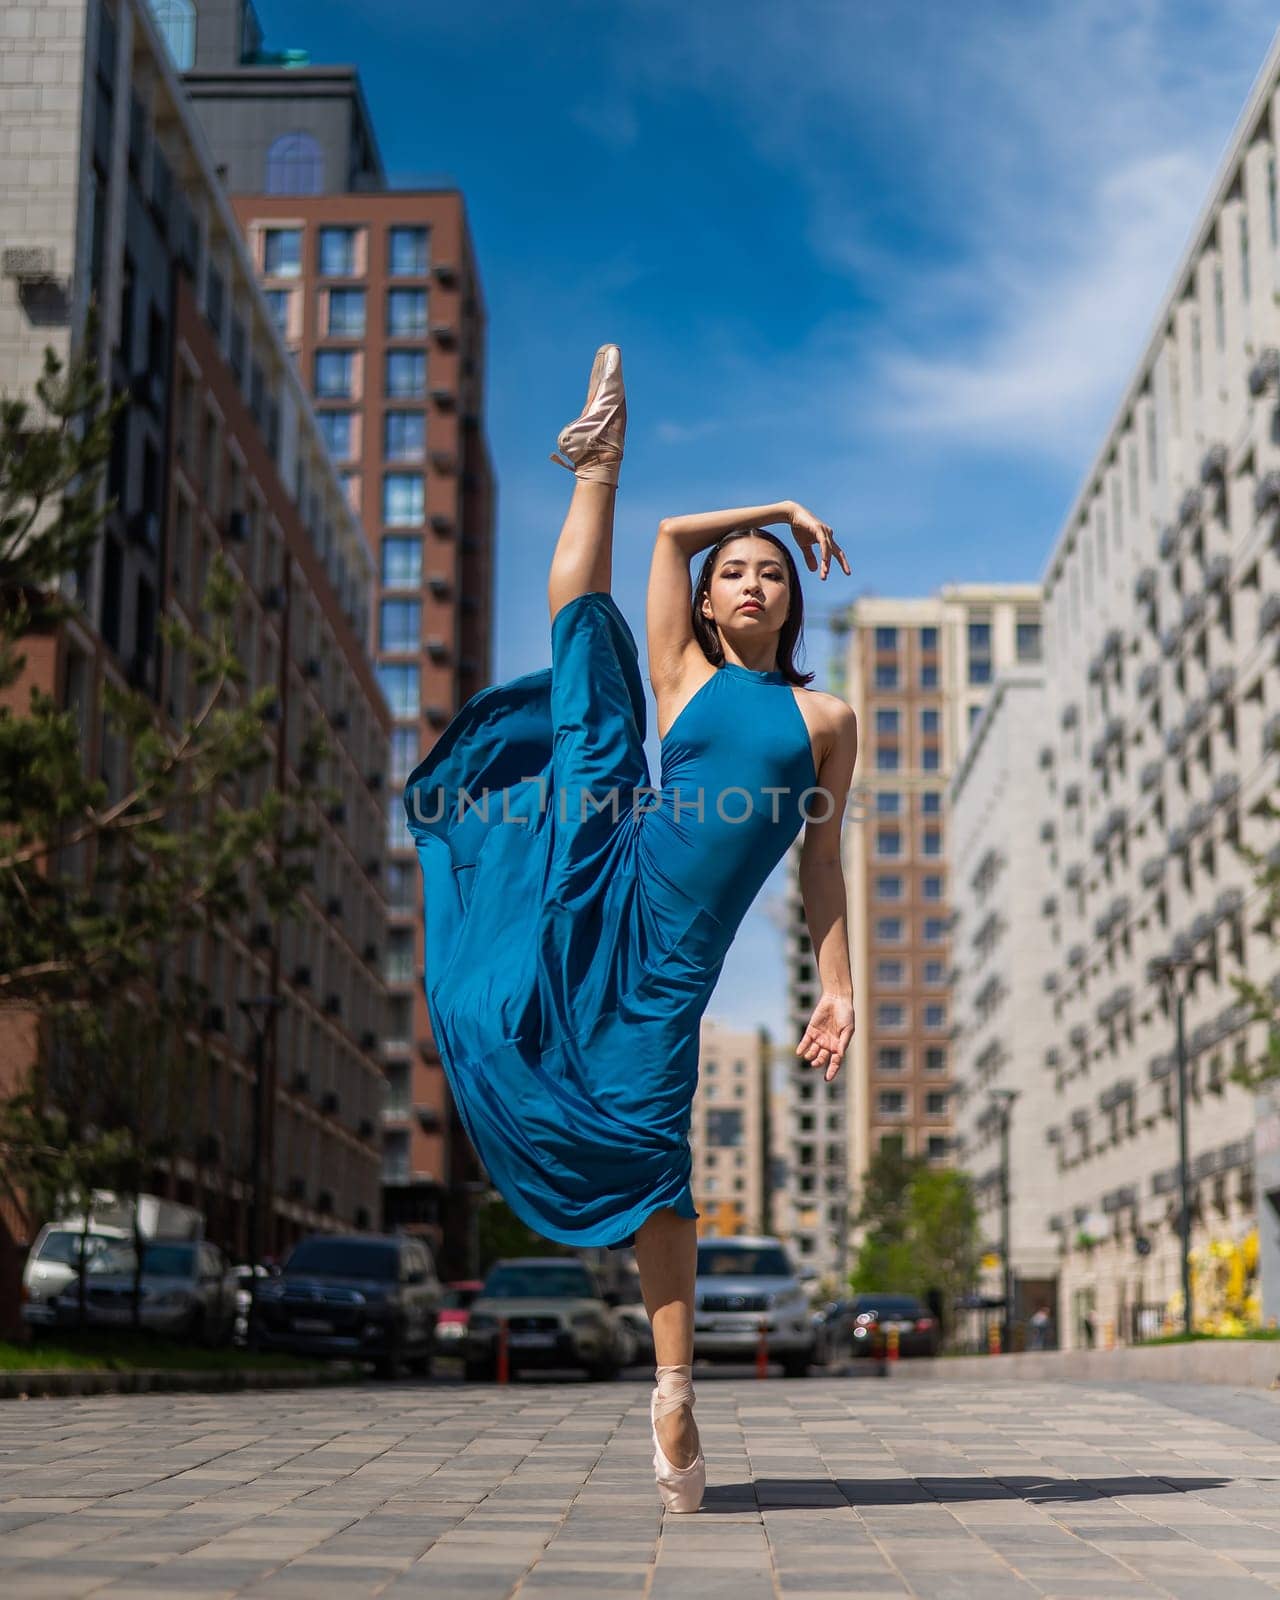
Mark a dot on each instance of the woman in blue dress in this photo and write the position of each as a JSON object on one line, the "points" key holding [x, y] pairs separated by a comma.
{"points": [[577, 916]]}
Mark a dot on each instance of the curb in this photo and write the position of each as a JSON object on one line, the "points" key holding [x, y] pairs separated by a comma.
{"points": [[1243, 1363], [38, 1384]]}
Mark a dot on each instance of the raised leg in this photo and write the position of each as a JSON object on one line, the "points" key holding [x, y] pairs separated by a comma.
{"points": [[583, 558], [667, 1256]]}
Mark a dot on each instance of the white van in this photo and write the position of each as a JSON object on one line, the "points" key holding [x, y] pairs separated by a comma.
{"points": [[53, 1261]]}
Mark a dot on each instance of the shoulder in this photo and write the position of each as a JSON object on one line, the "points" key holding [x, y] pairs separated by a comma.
{"points": [[833, 720]]}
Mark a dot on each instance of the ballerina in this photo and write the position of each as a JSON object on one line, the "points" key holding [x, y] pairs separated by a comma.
{"points": [[577, 917]]}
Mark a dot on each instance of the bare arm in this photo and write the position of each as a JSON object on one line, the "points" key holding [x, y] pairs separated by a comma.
{"points": [[822, 888], [701, 529]]}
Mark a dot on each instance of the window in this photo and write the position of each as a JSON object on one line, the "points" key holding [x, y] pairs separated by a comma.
{"points": [[979, 638], [402, 880], [935, 974], [931, 758], [891, 1058], [891, 1103], [404, 436], [929, 720], [891, 974], [401, 563], [335, 374], [889, 930], [176, 22], [931, 888], [406, 374], [407, 252], [935, 930], [406, 312], [1246, 285], [929, 676], [935, 1058], [892, 1144], [404, 753], [886, 758], [278, 304], [887, 719], [888, 841], [398, 835], [888, 803], [346, 313], [282, 252], [338, 252], [935, 1103], [891, 1015], [931, 842], [886, 676], [979, 672], [888, 888], [402, 499], [937, 1146], [399, 624], [295, 165], [928, 640], [935, 1016], [931, 803], [886, 638], [1028, 641], [724, 1126], [399, 681], [335, 430]]}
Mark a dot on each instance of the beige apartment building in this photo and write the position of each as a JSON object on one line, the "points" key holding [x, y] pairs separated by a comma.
{"points": [[1162, 606], [729, 1131], [917, 672]]}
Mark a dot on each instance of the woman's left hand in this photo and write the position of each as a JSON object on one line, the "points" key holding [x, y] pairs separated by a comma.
{"points": [[809, 531], [827, 1037]]}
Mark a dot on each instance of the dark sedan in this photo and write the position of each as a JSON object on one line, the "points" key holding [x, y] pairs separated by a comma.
{"points": [[873, 1315], [365, 1297]]}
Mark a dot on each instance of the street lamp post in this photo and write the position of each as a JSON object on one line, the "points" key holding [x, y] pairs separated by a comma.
{"points": [[1003, 1100], [259, 1010]]}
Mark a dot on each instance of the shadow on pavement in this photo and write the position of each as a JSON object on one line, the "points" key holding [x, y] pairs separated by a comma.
{"points": [[811, 1494]]}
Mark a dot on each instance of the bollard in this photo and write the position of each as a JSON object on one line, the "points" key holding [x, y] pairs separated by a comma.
{"points": [[891, 1350], [762, 1350], [993, 1339], [1108, 1335], [504, 1362]]}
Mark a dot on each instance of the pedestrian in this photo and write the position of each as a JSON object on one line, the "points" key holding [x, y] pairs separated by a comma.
{"points": [[1040, 1319], [577, 918]]}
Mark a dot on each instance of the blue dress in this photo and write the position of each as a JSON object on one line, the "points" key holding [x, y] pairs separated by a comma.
{"points": [[577, 918]]}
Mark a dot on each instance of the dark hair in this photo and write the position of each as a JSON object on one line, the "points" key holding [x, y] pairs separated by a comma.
{"points": [[789, 634]]}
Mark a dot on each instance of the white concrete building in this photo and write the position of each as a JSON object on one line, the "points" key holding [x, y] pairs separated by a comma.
{"points": [[1162, 607], [728, 1131], [1000, 947]]}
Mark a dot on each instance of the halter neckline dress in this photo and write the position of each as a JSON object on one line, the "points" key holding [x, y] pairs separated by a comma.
{"points": [[576, 917]]}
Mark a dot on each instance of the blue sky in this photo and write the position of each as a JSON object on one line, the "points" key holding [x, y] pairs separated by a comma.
{"points": [[894, 261]]}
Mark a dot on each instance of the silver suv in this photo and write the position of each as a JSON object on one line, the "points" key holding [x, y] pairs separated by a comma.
{"points": [[741, 1283], [555, 1313]]}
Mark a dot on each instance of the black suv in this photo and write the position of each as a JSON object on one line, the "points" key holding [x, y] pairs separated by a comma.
{"points": [[365, 1297]]}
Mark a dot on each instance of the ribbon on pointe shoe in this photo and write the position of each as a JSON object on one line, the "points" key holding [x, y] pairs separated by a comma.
{"points": [[674, 1389]]}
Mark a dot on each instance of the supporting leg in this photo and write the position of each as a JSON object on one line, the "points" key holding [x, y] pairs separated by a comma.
{"points": [[667, 1256], [583, 558]]}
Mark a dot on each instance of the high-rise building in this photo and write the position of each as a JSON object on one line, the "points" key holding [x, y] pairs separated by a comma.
{"points": [[376, 293], [729, 1130], [1159, 755], [1000, 947], [917, 674], [110, 198]]}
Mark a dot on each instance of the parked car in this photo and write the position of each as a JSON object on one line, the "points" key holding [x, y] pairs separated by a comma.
{"points": [[364, 1296], [556, 1316], [53, 1261], [833, 1331], [740, 1282], [455, 1310], [187, 1290], [875, 1314]]}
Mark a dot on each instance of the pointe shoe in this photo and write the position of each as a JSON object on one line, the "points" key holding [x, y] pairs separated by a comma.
{"points": [[592, 442], [681, 1488]]}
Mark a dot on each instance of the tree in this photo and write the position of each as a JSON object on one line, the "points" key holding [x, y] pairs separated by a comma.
{"points": [[921, 1231], [100, 889]]}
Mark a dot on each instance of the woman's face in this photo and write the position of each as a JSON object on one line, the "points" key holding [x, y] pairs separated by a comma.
{"points": [[748, 597]]}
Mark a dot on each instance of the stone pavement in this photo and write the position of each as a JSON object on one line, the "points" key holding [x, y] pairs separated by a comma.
{"points": [[849, 1487]]}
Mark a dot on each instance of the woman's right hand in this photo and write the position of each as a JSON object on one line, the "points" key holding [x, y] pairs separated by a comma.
{"points": [[808, 532]]}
